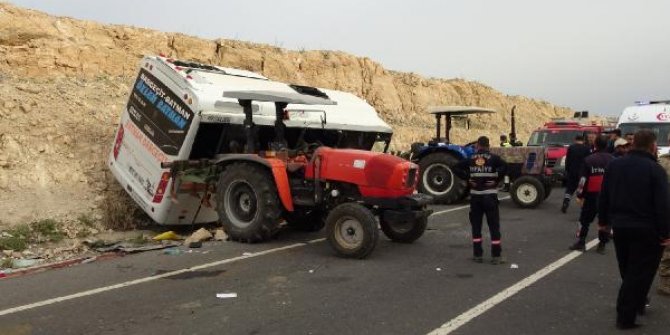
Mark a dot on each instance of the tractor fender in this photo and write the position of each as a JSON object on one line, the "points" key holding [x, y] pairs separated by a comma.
{"points": [[454, 150], [276, 166]]}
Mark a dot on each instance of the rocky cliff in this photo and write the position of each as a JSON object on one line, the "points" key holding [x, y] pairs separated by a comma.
{"points": [[63, 84]]}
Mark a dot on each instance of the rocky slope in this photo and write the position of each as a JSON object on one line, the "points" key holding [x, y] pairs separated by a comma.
{"points": [[63, 84]]}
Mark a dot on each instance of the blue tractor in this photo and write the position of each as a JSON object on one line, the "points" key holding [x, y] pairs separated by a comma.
{"points": [[437, 158]]}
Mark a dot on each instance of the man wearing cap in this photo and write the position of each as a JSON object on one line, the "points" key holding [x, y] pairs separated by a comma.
{"points": [[484, 171], [614, 135], [590, 182], [621, 147]]}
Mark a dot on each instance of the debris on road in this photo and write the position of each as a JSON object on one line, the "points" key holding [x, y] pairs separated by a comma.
{"points": [[132, 248], [167, 236], [220, 235], [24, 263], [514, 266], [226, 295], [438, 269], [173, 251], [197, 238], [247, 253], [311, 271]]}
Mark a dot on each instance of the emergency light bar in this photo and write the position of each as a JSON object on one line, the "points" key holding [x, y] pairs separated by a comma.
{"points": [[656, 102]]}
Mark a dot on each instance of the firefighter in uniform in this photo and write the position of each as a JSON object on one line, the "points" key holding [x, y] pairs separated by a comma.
{"points": [[588, 191], [484, 171]]}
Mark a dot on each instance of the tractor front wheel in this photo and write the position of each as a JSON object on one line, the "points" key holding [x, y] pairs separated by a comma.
{"points": [[352, 231], [438, 179], [247, 203], [527, 192]]}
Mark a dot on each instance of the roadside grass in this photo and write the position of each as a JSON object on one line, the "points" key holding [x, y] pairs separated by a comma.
{"points": [[16, 238], [119, 211], [40, 231], [47, 230]]}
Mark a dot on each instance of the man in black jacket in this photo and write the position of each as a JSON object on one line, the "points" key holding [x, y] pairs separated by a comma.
{"points": [[573, 163], [484, 171], [634, 202]]}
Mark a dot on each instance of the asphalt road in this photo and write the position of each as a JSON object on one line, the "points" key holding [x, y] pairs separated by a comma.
{"points": [[304, 289]]}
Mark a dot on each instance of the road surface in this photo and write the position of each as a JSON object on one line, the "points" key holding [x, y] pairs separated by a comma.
{"points": [[295, 285]]}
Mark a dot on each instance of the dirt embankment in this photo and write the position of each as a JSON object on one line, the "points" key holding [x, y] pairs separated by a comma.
{"points": [[63, 84]]}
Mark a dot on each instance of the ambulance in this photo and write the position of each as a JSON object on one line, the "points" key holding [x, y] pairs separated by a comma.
{"points": [[654, 115]]}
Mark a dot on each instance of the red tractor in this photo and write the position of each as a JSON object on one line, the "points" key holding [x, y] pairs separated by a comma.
{"points": [[309, 185]]}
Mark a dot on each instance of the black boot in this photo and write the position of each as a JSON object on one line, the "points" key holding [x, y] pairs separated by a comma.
{"points": [[579, 246], [564, 207]]}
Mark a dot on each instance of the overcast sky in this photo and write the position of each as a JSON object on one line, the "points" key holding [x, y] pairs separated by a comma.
{"points": [[597, 55]]}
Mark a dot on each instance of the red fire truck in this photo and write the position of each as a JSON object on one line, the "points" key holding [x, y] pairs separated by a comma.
{"points": [[556, 136]]}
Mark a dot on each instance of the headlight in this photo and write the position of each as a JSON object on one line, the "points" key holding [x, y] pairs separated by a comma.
{"points": [[562, 162]]}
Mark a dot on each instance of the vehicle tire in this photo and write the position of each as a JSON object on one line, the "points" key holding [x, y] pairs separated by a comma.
{"points": [[351, 229], [404, 232], [247, 203], [527, 192], [438, 179], [307, 220]]}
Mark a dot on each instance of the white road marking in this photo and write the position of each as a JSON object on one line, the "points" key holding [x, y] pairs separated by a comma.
{"points": [[176, 272], [480, 309], [461, 207], [152, 278]]}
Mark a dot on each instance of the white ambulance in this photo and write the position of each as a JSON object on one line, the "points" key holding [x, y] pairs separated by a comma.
{"points": [[177, 111], [654, 115]]}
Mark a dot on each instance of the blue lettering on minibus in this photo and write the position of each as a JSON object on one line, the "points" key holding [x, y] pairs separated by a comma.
{"points": [[171, 114]]}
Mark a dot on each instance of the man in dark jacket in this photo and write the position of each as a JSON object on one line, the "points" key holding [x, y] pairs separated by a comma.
{"points": [[573, 163], [484, 171], [590, 182], [634, 202]]}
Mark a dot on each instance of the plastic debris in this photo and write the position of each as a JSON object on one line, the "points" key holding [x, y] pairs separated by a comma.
{"points": [[514, 266], [132, 248], [311, 271], [173, 251], [167, 236], [220, 235], [226, 295], [246, 254], [438, 269], [23, 263]]}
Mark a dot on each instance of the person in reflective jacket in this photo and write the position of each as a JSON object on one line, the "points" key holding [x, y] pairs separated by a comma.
{"points": [[588, 191], [484, 171]]}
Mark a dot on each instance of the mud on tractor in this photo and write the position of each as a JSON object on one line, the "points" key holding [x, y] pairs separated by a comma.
{"points": [[308, 184]]}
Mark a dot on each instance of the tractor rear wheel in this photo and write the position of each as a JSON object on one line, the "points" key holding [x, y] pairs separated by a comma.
{"points": [[404, 232], [307, 220], [351, 230], [439, 180], [247, 203], [527, 192]]}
